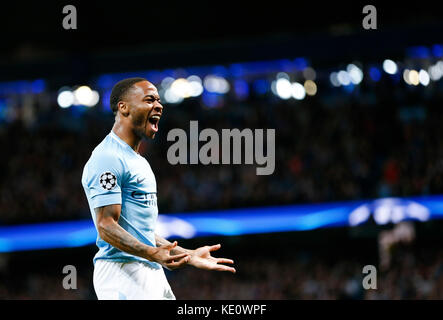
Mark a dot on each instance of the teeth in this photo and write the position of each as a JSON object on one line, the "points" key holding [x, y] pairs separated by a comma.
{"points": [[155, 117]]}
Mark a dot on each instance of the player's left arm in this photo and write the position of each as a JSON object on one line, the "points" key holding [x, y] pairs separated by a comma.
{"points": [[201, 257]]}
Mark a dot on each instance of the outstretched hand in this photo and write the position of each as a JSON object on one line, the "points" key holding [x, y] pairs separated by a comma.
{"points": [[201, 258], [163, 256]]}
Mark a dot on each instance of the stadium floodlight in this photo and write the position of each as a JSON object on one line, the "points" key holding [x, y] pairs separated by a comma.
{"points": [[413, 77], [333, 77], [181, 88], [172, 97], [283, 88], [343, 78], [194, 78], [65, 99], [406, 76], [390, 66], [216, 84], [423, 77], [83, 95], [95, 98], [435, 73], [310, 87], [283, 75], [195, 86], [298, 91], [166, 82], [355, 73]]}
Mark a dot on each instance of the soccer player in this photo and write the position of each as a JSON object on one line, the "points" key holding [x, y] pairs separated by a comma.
{"points": [[122, 195]]}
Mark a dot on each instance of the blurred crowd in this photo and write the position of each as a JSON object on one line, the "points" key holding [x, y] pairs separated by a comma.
{"points": [[376, 141], [414, 274]]}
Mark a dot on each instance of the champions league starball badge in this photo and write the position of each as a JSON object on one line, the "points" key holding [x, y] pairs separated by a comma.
{"points": [[108, 181]]}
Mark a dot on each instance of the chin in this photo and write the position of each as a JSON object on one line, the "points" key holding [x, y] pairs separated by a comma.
{"points": [[150, 135]]}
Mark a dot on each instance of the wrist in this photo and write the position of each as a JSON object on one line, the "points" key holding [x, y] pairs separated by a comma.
{"points": [[150, 253], [180, 250]]}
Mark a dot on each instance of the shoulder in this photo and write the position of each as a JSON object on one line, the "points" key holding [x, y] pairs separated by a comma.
{"points": [[109, 147], [107, 155]]}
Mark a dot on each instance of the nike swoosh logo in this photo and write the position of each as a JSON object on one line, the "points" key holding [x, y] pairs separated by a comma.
{"points": [[140, 180]]}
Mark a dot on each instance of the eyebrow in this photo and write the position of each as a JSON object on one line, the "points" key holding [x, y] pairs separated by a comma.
{"points": [[156, 97]]}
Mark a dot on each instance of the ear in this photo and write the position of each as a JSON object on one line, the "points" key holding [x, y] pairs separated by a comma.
{"points": [[123, 108]]}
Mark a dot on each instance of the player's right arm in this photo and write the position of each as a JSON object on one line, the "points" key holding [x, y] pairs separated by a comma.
{"points": [[111, 232]]}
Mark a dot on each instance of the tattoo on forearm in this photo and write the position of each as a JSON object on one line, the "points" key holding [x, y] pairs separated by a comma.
{"points": [[116, 236]]}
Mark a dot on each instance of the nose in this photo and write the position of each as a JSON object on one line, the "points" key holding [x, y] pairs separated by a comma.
{"points": [[158, 107]]}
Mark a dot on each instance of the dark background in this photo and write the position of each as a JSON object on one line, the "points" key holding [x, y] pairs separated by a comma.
{"points": [[139, 35], [133, 35]]}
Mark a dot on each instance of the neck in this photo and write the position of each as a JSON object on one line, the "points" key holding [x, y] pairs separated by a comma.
{"points": [[127, 135]]}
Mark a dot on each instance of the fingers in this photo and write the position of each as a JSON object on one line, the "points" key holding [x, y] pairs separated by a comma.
{"points": [[224, 268], [174, 264], [171, 245], [224, 260], [220, 260], [214, 247], [178, 257]]}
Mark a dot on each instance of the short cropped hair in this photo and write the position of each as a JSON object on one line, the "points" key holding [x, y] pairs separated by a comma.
{"points": [[120, 89]]}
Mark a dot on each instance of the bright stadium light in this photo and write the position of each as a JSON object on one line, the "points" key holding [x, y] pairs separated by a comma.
{"points": [[181, 88], [423, 77], [195, 84], [413, 77], [333, 77], [355, 73], [298, 91], [216, 84], [282, 75], [194, 78], [184, 88], [83, 95], [382, 214], [283, 88], [274, 87], [390, 66], [359, 215], [343, 78], [166, 82], [172, 97], [435, 73], [95, 98], [65, 99], [406, 76], [310, 87]]}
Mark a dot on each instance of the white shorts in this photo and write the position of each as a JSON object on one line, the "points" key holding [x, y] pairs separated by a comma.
{"points": [[130, 281]]}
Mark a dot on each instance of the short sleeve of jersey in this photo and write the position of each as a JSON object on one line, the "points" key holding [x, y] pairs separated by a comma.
{"points": [[103, 179]]}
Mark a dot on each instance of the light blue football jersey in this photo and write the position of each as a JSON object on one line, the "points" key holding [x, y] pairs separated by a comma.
{"points": [[116, 174]]}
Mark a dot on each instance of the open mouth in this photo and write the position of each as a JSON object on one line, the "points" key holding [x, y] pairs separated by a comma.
{"points": [[153, 121]]}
